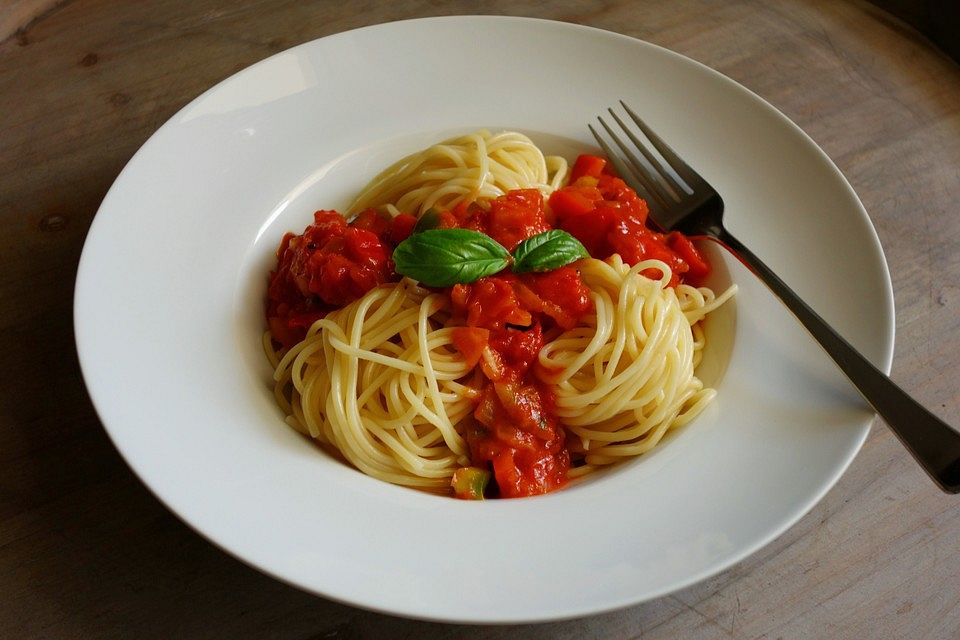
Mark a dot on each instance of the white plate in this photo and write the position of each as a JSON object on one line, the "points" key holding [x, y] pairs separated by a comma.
{"points": [[169, 316]]}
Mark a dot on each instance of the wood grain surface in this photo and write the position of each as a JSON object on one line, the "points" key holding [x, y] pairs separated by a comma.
{"points": [[86, 551]]}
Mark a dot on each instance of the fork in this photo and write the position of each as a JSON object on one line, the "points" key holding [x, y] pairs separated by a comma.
{"points": [[698, 211]]}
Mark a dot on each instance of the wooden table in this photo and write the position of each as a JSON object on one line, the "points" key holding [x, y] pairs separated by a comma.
{"points": [[86, 551]]}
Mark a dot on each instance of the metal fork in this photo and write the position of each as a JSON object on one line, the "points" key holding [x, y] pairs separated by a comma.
{"points": [[934, 444]]}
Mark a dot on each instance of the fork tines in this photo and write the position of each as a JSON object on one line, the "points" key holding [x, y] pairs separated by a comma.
{"points": [[666, 181]]}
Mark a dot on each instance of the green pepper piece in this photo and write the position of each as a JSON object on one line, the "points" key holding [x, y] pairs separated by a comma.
{"points": [[469, 483]]}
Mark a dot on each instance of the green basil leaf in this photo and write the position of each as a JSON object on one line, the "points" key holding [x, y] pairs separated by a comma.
{"points": [[429, 220], [547, 251], [444, 257]]}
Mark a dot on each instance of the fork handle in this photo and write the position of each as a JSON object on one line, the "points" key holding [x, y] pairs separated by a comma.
{"points": [[934, 444]]}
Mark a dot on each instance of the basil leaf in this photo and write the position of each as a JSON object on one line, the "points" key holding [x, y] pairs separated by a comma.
{"points": [[429, 220], [547, 251], [444, 257]]}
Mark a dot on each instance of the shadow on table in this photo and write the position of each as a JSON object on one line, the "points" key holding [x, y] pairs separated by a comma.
{"points": [[938, 20]]}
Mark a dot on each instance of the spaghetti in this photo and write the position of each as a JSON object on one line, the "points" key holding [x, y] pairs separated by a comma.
{"points": [[380, 382], [533, 374], [625, 376], [468, 168]]}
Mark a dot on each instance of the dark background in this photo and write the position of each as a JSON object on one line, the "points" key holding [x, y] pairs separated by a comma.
{"points": [[939, 20]]}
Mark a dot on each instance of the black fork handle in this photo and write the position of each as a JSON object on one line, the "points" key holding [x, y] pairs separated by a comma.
{"points": [[934, 444]]}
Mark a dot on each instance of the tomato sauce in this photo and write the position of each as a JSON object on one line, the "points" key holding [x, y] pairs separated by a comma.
{"points": [[608, 217], [329, 265], [516, 430]]}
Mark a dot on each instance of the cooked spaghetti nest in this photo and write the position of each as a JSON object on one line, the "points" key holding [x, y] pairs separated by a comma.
{"points": [[381, 382], [625, 376], [476, 166]]}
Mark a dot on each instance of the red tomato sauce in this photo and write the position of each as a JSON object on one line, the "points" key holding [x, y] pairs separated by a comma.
{"points": [[329, 265], [608, 217], [517, 432], [501, 320]]}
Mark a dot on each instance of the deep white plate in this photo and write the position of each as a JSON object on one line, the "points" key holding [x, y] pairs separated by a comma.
{"points": [[169, 317]]}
